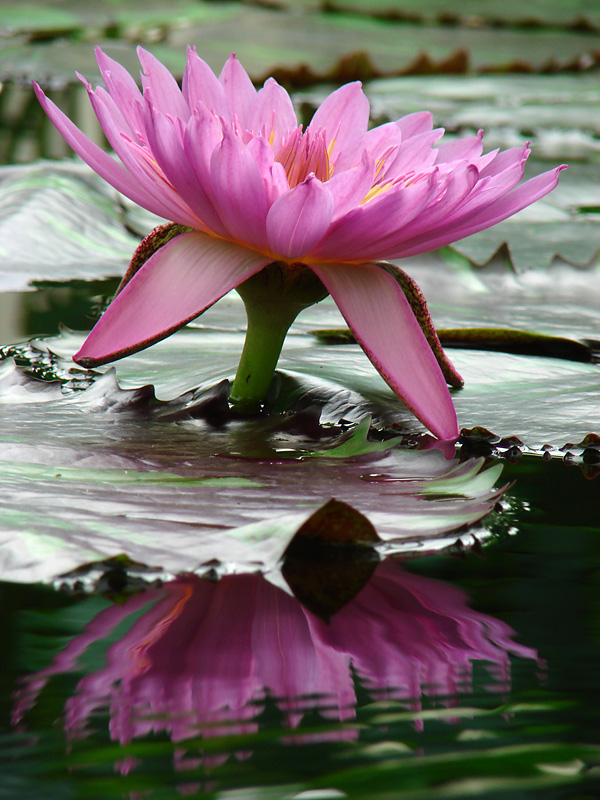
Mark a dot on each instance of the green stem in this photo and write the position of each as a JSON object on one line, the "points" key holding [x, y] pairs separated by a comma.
{"points": [[264, 339], [273, 299]]}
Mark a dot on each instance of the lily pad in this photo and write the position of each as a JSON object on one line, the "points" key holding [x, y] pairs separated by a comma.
{"points": [[58, 222], [298, 46], [576, 13], [96, 472]]}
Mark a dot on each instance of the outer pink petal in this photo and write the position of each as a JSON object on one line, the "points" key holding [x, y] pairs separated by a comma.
{"points": [[239, 191], [121, 87], [239, 91], [299, 218], [512, 202], [105, 166], [380, 317], [179, 282], [344, 117], [140, 163], [161, 86], [201, 85]]}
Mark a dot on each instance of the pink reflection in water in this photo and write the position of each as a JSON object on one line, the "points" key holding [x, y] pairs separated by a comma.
{"points": [[202, 656]]}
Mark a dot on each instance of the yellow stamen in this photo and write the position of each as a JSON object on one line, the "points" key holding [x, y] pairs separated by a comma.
{"points": [[378, 188]]}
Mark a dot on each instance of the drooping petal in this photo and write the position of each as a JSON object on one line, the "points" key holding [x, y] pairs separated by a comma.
{"points": [[344, 117], [179, 282], [299, 218], [239, 91], [380, 317], [239, 191], [93, 155], [162, 87]]}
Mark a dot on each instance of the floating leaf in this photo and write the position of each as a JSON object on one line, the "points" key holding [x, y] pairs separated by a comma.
{"points": [[178, 492], [58, 222], [299, 48]]}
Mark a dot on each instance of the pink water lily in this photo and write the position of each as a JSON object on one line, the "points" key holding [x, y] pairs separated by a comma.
{"points": [[286, 216]]}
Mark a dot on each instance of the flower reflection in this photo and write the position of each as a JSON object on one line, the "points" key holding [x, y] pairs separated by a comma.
{"points": [[202, 657]]}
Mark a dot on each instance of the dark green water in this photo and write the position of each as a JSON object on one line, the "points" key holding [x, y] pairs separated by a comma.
{"points": [[416, 688]]}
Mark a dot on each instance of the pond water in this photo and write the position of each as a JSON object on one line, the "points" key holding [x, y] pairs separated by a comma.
{"points": [[471, 674]]}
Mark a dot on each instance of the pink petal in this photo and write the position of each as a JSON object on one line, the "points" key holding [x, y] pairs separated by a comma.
{"points": [[413, 124], [350, 186], [239, 191], [344, 117], [121, 87], [382, 138], [456, 186], [271, 171], [162, 86], [469, 149], [507, 159], [140, 163], [273, 115], [416, 155], [201, 85], [203, 134], [179, 282], [239, 91], [99, 160], [172, 159], [299, 218], [357, 235], [512, 202], [380, 317]]}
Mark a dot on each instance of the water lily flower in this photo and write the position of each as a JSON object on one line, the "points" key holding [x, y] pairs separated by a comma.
{"points": [[287, 215]]}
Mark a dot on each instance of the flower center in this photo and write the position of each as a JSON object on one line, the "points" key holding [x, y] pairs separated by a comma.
{"points": [[304, 153]]}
